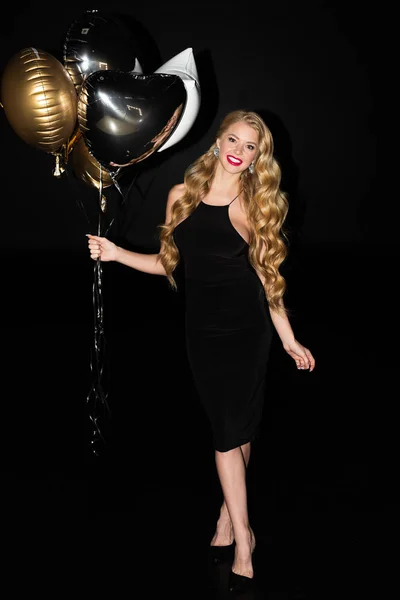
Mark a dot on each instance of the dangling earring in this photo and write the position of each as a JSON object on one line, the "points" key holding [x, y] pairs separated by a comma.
{"points": [[251, 168], [216, 151]]}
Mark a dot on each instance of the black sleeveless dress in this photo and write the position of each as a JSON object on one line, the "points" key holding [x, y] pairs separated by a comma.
{"points": [[228, 326]]}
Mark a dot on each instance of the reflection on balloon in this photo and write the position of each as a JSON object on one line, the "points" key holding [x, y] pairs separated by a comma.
{"points": [[184, 66], [72, 141], [87, 168], [39, 99], [125, 117], [97, 42]]}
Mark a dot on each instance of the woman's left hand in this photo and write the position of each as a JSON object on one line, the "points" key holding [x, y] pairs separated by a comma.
{"points": [[301, 355]]}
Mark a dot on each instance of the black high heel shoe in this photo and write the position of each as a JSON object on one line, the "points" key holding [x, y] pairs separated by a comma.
{"points": [[222, 554], [239, 583]]}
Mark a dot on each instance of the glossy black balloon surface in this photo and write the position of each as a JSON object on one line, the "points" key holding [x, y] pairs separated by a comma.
{"points": [[98, 42], [124, 117]]}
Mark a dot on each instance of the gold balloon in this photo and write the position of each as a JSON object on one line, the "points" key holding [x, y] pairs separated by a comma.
{"points": [[70, 144], [87, 168], [39, 99], [73, 140]]}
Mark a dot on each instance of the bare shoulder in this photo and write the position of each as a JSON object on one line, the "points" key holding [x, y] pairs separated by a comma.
{"points": [[175, 192]]}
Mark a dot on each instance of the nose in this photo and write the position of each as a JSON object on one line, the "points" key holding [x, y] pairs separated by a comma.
{"points": [[239, 148]]}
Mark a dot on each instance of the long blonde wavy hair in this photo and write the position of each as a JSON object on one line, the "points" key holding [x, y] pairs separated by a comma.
{"points": [[265, 203]]}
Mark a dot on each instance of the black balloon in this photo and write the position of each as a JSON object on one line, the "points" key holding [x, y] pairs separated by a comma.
{"points": [[96, 42], [125, 117]]}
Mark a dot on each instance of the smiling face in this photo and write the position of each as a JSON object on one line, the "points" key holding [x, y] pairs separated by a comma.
{"points": [[238, 147]]}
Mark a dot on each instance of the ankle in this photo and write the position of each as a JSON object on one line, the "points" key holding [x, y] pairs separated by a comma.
{"points": [[224, 514], [245, 537]]}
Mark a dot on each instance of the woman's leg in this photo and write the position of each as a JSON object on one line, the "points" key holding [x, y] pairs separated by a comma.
{"points": [[223, 535], [231, 467]]}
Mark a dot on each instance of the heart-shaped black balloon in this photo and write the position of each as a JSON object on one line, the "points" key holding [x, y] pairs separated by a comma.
{"points": [[124, 117]]}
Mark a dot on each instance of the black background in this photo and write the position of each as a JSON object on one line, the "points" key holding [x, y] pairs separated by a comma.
{"points": [[310, 69]]}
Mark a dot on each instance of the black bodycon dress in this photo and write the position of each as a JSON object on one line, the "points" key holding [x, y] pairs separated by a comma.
{"points": [[228, 325]]}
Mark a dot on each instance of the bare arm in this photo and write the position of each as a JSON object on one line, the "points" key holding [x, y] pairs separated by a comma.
{"points": [[147, 263], [103, 249], [282, 326], [300, 354]]}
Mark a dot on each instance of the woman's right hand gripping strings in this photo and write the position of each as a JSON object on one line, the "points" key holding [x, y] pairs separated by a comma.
{"points": [[101, 248]]}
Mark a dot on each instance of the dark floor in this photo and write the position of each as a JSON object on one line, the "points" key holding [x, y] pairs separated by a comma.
{"points": [[134, 513]]}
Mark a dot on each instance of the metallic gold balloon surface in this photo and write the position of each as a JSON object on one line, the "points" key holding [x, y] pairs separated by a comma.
{"points": [[39, 99], [73, 139], [86, 167]]}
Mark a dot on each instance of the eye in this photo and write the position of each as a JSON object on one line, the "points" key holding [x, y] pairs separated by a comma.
{"points": [[250, 147], [231, 139]]}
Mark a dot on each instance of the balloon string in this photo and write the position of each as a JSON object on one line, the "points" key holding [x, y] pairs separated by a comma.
{"points": [[117, 187], [124, 197], [78, 201], [97, 396]]}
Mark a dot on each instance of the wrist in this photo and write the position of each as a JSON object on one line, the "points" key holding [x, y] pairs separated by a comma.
{"points": [[287, 341], [118, 253]]}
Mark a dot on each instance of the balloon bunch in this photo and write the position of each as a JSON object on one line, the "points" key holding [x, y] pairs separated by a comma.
{"points": [[98, 110], [97, 105]]}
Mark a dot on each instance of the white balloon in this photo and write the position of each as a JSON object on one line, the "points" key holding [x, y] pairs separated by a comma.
{"points": [[137, 68], [183, 65]]}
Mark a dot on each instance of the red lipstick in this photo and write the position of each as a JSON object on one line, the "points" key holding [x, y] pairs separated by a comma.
{"points": [[233, 160]]}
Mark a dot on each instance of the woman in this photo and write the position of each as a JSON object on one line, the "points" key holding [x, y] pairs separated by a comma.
{"points": [[226, 222]]}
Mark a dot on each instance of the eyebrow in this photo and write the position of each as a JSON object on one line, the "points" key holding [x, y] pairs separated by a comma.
{"points": [[248, 142]]}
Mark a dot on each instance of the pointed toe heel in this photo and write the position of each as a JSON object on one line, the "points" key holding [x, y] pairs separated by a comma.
{"points": [[222, 554], [239, 583]]}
